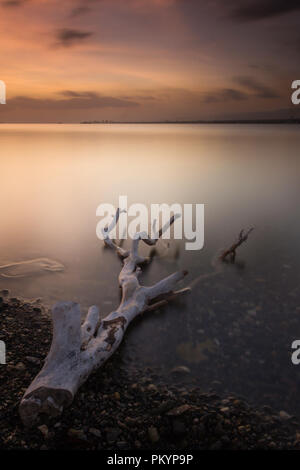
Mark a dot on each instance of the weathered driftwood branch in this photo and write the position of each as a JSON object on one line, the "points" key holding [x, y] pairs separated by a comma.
{"points": [[78, 349], [231, 252], [219, 261]]}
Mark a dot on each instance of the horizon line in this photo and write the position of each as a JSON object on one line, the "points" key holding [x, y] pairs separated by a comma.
{"points": [[200, 121]]}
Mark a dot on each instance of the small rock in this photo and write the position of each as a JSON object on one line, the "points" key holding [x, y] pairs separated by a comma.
{"points": [[44, 430], [77, 434], [130, 421], [179, 410], [117, 396], [153, 434], [33, 360], [122, 445], [95, 432], [20, 366], [284, 416], [165, 406], [225, 409], [181, 370], [112, 434]]}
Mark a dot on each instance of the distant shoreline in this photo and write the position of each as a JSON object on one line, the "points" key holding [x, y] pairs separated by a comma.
{"points": [[234, 121], [244, 121]]}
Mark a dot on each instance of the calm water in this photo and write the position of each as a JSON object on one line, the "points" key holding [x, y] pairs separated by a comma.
{"points": [[235, 330]]}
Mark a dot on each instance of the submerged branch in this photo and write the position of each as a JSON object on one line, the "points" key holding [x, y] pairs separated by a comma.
{"points": [[231, 252]]}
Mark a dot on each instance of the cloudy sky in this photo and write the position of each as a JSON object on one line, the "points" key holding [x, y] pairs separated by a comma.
{"points": [[143, 60]]}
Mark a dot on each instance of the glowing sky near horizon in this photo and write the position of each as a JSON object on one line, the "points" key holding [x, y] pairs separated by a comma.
{"points": [[147, 59]]}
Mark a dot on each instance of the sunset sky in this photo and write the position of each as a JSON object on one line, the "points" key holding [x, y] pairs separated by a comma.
{"points": [[143, 60]]}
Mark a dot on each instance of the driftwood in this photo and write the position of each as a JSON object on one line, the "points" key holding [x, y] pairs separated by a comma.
{"points": [[231, 252], [78, 349], [218, 262]]}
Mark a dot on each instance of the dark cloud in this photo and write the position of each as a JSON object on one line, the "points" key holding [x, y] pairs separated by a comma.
{"points": [[12, 3], [223, 95], [79, 10], [258, 89], [83, 6], [77, 94], [260, 9], [71, 100], [68, 37]]}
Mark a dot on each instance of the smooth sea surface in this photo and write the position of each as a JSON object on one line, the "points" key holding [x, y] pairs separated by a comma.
{"points": [[234, 331]]}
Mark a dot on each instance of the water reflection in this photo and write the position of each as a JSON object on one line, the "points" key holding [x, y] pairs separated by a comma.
{"points": [[234, 331]]}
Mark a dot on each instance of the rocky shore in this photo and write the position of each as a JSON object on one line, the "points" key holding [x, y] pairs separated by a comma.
{"points": [[121, 408]]}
